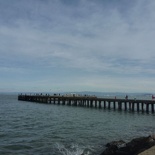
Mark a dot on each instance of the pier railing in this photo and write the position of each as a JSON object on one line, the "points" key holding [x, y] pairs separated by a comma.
{"points": [[93, 101]]}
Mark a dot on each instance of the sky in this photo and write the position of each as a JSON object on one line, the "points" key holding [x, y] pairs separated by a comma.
{"points": [[77, 45]]}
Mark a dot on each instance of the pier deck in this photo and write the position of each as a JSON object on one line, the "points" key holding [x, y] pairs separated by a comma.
{"points": [[93, 101]]}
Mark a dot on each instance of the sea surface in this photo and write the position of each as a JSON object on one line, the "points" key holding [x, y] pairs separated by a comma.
{"points": [[28, 128]]}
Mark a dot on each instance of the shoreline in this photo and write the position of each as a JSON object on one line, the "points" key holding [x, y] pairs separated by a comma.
{"points": [[137, 146]]}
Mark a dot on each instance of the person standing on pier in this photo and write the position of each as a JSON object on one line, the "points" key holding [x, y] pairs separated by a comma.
{"points": [[126, 97]]}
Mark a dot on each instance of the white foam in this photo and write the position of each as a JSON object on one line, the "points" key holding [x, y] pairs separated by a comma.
{"points": [[74, 149]]}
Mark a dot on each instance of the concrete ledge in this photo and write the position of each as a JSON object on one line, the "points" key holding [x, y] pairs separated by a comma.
{"points": [[150, 151]]}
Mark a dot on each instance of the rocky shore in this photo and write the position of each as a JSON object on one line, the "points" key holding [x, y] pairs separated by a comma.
{"points": [[134, 147]]}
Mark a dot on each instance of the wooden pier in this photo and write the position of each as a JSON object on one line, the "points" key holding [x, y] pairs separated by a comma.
{"points": [[93, 101]]}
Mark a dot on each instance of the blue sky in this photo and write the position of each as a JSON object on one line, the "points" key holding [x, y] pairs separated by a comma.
{"points": [[77, 45]]}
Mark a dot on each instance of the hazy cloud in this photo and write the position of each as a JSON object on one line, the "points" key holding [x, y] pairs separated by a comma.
{"points": [[113, 40]]}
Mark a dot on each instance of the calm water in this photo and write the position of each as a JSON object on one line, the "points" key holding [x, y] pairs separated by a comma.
{"points": [[41, 129]]}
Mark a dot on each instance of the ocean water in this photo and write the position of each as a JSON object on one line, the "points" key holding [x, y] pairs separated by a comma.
{"points": [[28, 128]]}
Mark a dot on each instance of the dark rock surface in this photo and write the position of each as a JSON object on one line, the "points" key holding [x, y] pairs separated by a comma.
{"points": [[133, 147]]}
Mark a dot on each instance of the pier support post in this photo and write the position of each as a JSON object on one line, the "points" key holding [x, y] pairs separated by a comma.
{"points": [[125, 104], [79, 103], [46, 100], [152, 107], [114, 105], [91, 103], [82, 103], [147, 107], [39, 99], [69, 102], [75, 103], [119, 105], [142, 104], [42, 100], [133, 106], [99, 104], [104, 104], [58, 101], [138, 107], [63, 102], [95, 103], [109, 105], [130, 106]]}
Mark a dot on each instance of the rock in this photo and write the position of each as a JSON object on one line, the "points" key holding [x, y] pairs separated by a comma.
{"points": [[140, 144], [152, 138], [111, 150], [137, 144], [113, 147], [119, 143], [133, 147]]}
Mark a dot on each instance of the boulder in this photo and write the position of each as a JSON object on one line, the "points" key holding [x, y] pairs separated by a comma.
{"points": [[133, 147]]}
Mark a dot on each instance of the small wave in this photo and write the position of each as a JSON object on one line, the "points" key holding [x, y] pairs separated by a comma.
{"points": [[73, 149], [17, 147], [3, 135]]}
